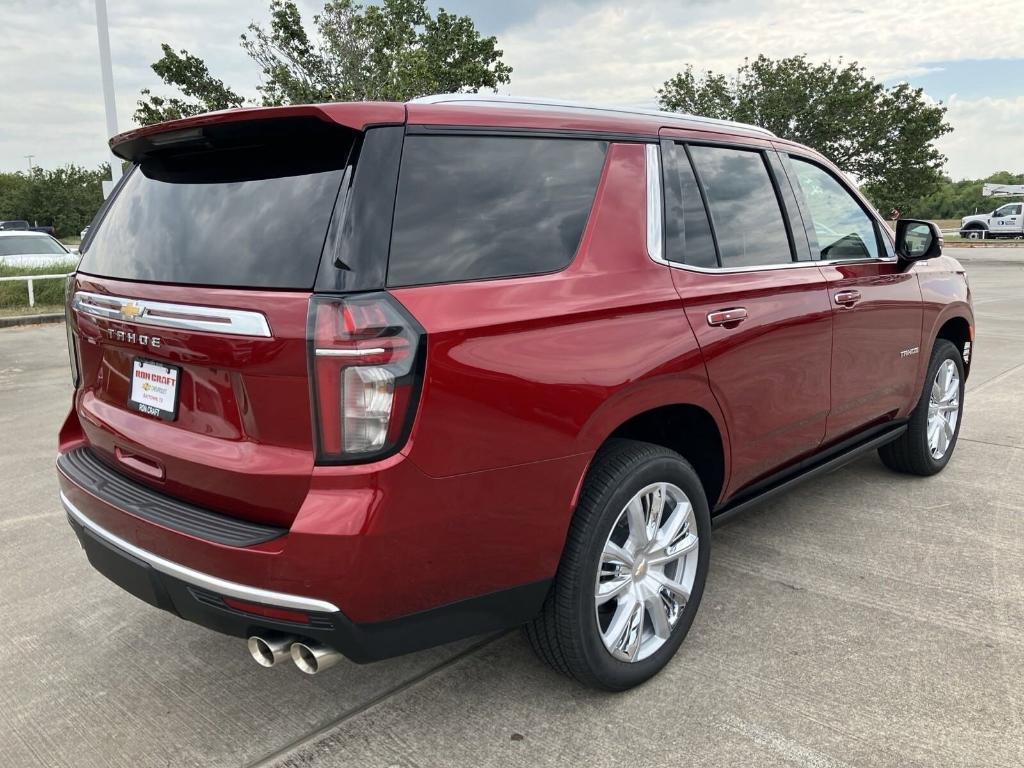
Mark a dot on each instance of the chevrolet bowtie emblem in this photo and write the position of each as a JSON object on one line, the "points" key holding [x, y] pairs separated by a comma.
{"points": [[131, 310]]}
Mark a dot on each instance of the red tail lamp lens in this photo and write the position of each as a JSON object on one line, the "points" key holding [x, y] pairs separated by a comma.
{"points": [[365, 359]]}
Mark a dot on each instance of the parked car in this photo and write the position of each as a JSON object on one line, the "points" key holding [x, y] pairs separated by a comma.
{"points": [[359, 379], [15, 224], [20, 248], [1006, 221]]}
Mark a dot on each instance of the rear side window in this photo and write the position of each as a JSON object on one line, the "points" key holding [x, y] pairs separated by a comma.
{"points": [[246, 205], [477, 207], [688, 238], [744, 207], [843, 229]]}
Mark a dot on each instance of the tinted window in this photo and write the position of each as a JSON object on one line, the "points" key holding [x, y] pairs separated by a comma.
{"points": [[688, 238], [843, 229], [744, 208], [477, 207], [252, 215]]}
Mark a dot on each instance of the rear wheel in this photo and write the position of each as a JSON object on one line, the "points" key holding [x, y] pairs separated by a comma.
{"points": [[633, 570], [925, 448]]}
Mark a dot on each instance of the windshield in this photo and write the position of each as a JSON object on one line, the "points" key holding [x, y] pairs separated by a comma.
{"points": [[244, 213], [27, 245]]}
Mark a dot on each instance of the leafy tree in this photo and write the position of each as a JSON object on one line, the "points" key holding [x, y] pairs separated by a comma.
{"points": [[956, 199], [393, 51], [65, 198], [204, 92], [883, 137]]}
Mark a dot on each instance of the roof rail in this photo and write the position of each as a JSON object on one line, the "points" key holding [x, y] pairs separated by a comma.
{"points": [[529, 101]]}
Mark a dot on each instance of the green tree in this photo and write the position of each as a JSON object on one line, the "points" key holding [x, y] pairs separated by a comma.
{"points": [[393, 51], [65, 198], [203, 92], [883, 137], [956, 199]]}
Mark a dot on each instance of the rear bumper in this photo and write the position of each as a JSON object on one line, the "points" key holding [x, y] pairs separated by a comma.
{"points": [[199, 597]]}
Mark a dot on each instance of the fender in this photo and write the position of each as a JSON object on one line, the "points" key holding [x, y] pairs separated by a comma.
{"points": [[945, 294]]}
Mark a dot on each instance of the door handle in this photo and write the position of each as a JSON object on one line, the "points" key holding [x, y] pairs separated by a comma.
{"points": [[730, 318], [847, 298]]}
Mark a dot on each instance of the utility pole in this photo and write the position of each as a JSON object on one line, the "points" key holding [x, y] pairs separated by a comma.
{"points": [[107, 73], [29, 158]]}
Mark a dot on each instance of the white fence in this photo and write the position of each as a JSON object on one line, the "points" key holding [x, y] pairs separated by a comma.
{"points": [[30, 280]]}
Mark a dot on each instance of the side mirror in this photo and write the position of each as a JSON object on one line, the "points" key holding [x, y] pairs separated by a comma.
{"points": [[917, 240]]}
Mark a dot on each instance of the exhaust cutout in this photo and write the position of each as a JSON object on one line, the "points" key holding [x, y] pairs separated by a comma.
{"points": [[312, 658], [268, 651]]}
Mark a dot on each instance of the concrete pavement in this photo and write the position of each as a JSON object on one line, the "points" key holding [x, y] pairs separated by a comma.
{"points": [[865, 619]]}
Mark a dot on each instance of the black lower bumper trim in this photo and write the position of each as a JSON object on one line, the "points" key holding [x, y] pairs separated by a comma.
{"points": [[360, 643], [85, 470]]}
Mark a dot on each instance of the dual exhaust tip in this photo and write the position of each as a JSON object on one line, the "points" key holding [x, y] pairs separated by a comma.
{"points": [[310, 657]]}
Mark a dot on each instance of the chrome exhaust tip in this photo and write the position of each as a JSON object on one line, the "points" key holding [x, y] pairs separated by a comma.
{"points": [[312, 658], [268, 651]]}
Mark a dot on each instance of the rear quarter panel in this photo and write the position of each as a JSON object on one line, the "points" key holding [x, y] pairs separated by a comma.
{"points": [[530, 369]]}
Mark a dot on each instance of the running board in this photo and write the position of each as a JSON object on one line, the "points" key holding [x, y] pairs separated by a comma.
{"points": [[822, 463]]}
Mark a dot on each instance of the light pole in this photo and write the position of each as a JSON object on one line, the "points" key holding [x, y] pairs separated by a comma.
{"points": [[29, 158], [107, 73]]}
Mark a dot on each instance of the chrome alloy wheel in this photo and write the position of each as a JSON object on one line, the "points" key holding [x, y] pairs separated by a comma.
{"points": [[646, 572], [943, 408]]}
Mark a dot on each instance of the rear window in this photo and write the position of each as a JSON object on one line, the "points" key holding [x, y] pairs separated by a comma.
{"points": [[246, 205], [474, 207]]}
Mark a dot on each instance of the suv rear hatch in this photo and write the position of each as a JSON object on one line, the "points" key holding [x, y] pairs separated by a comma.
{"points": [[191, 303]]}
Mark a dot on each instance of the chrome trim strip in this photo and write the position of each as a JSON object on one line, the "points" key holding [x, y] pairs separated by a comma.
{"points": [[654, 205], [350, 352], [189, 317], [197, 578]]}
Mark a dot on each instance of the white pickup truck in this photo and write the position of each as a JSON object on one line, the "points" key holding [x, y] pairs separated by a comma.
{"points": [[1005, 221]]}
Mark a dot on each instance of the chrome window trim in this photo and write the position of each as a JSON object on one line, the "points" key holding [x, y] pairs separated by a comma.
{"points": [[198, 578], [655, 208], [655, 227], [190, 317]]}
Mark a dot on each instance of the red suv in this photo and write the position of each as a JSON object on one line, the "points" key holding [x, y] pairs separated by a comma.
{"points": [[364, 378]]}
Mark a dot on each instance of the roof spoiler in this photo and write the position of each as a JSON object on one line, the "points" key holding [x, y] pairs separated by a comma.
{"points": [[138, 144]]}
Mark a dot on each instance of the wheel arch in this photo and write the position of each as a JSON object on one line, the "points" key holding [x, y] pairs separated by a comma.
{"points": [[956, 329], [652, 411], [690, 431]]}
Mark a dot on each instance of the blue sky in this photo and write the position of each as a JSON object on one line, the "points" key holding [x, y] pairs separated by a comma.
{"points": [[604, 51], [971, 78]]}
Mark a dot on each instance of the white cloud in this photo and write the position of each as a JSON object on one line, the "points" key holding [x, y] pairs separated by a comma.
{"points": [[609, 51], [987, 136]]}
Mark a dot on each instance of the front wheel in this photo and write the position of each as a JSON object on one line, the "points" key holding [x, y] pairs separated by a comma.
{"points": [[927, 445], [632, 572]]}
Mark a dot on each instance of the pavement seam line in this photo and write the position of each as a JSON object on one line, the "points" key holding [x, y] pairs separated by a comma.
{"points": [[996, 379], [276, 756]]}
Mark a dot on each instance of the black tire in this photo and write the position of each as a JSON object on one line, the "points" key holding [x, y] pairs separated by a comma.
{"points": [[566, 634], [910, 453]]}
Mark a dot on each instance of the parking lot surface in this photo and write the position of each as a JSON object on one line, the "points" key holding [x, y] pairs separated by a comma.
{"points": [[864, 619]]}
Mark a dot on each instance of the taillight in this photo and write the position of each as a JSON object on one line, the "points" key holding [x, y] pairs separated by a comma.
{"points": [[366, 358], [69, 326]]}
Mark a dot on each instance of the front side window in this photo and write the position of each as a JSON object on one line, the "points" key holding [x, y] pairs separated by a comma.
{"points": [[479, 207], [843, 229], [744, 207], [1008, 210]]}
